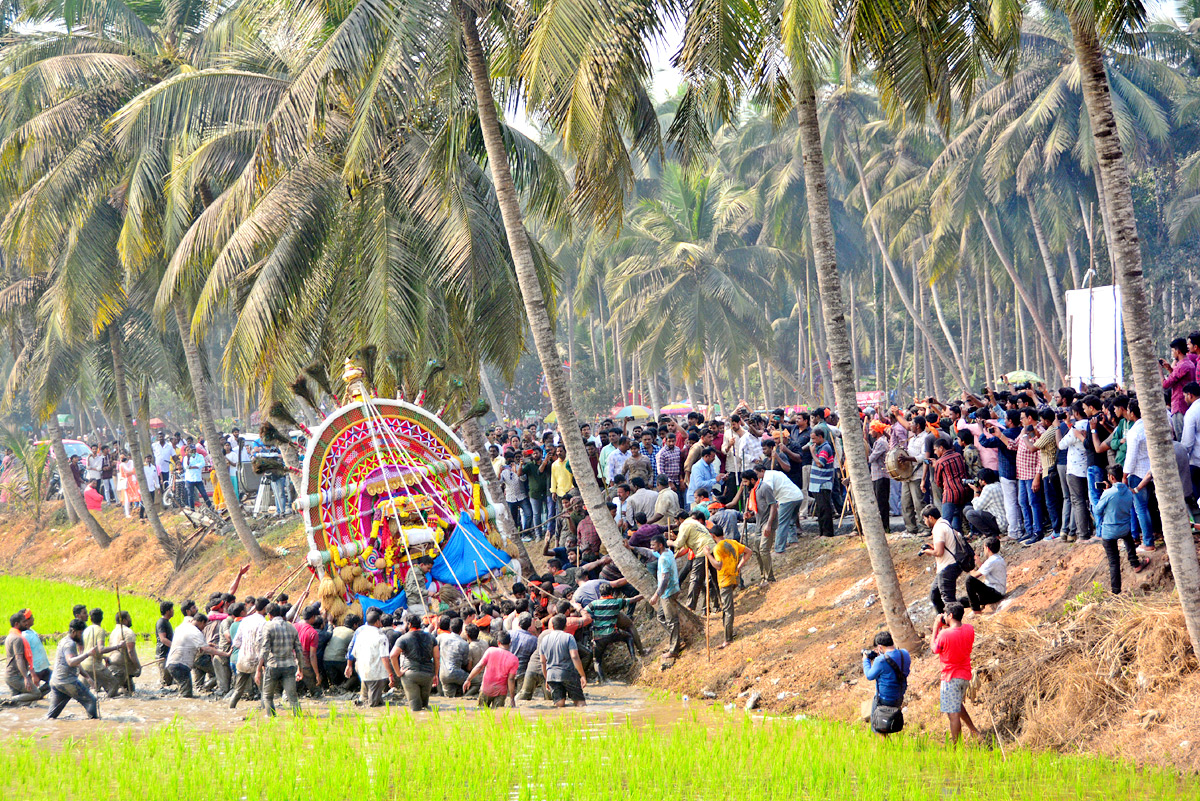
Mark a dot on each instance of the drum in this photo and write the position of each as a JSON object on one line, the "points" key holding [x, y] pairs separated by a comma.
{"points": [[900, 465]]}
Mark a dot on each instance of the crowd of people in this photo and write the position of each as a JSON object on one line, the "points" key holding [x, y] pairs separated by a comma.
{"points": [[179, 472], [533, 642], [696, 500]]}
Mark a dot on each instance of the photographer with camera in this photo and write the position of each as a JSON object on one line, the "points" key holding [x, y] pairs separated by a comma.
{"points": [[952, 556], [985, 514], [887, 666]]}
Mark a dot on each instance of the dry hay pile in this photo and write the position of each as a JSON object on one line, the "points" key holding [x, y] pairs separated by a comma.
{"points": [[1060, 683]]}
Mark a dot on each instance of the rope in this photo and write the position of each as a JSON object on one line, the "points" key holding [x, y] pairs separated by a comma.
{"points": [[404, 486]]}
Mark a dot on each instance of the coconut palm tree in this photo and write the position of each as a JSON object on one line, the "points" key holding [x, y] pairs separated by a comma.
{"points": [[56, 113], [689, 283], [1093, 23], [785, 64], [904, 80]]}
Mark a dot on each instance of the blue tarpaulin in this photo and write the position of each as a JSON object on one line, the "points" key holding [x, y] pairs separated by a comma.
{"points": [[398, 601], [466, 551]]}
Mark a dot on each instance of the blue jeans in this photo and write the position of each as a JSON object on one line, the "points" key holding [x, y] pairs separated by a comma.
{"points": [[1053, 496], [1031, 507], [540, 506], [279, 490], [193, 491], [785, 528], [522, 513], [952, 514], [1095, 476], [1141, 506]]}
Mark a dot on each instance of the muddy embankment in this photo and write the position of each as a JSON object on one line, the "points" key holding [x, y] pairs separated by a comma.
{"points": [[1062, 664]]}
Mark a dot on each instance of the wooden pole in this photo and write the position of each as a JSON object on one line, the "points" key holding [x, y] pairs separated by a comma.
{"points": [[287, 579], [125, 658], [704, 577]]}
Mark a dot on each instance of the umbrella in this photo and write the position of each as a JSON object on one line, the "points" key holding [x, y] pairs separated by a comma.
{"points": [[551, 418], [633, 412], [156, 423], [676, 409], [1018, 376]]}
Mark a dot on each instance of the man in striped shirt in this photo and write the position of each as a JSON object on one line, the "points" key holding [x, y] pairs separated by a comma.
{"points": [[820, 480], [279, 647], [668, 460], [610, 624], [650, 450], [949, 473]]}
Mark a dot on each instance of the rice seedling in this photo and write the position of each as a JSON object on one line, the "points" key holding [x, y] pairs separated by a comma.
{"points": [[510, 757], [51, 602]]}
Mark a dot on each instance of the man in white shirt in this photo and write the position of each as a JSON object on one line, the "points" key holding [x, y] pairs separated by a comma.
{"points": [[616, 460], [778, 501], [734, 447], [1137, 473], [641, 500], [1191, 433], [943, 550], [988, 583], [163, 451], [186, 645], [1077, 472], [245, 642], [95, 463], [367, 653]]}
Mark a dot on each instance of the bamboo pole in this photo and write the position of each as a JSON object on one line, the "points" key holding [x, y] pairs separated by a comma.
{"points": [[124, 659]]}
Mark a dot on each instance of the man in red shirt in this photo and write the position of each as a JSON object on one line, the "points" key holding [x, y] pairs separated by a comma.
{"points": [[952, 642], [499, 667], [307, 629]]}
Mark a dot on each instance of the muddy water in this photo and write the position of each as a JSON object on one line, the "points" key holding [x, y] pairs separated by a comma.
{"points": [[152, 708]]}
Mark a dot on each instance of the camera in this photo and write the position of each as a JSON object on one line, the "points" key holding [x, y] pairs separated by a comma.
{"points": [[869, 655]]}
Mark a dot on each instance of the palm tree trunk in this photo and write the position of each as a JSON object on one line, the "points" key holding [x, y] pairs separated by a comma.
{"points": [[883, 325], [941, 318], [570, 331], [1127, 266], [983, 323], [490, 391], [1039, 233], [209, 428], [991, 325], [508, 528], [964, 325], [115, 341], [1073, 259], [618, 352], [823, 354], [603, 336], [824, 254], [592, 338], [1059, 366], [535, 309], [70, 489], [853, 298], [895, 276], [900, 363]]}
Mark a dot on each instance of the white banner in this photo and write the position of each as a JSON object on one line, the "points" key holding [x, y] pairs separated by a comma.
{"points": [[1097, 345]]}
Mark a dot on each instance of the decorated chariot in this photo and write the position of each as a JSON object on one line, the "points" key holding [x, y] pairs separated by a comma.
{"points": [[394, 510]]}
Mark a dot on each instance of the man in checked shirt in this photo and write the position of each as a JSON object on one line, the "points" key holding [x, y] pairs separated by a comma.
{"points": [[279, 649]]}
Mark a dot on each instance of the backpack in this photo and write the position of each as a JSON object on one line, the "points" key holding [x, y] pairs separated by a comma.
{"points": [[964, 554]]}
